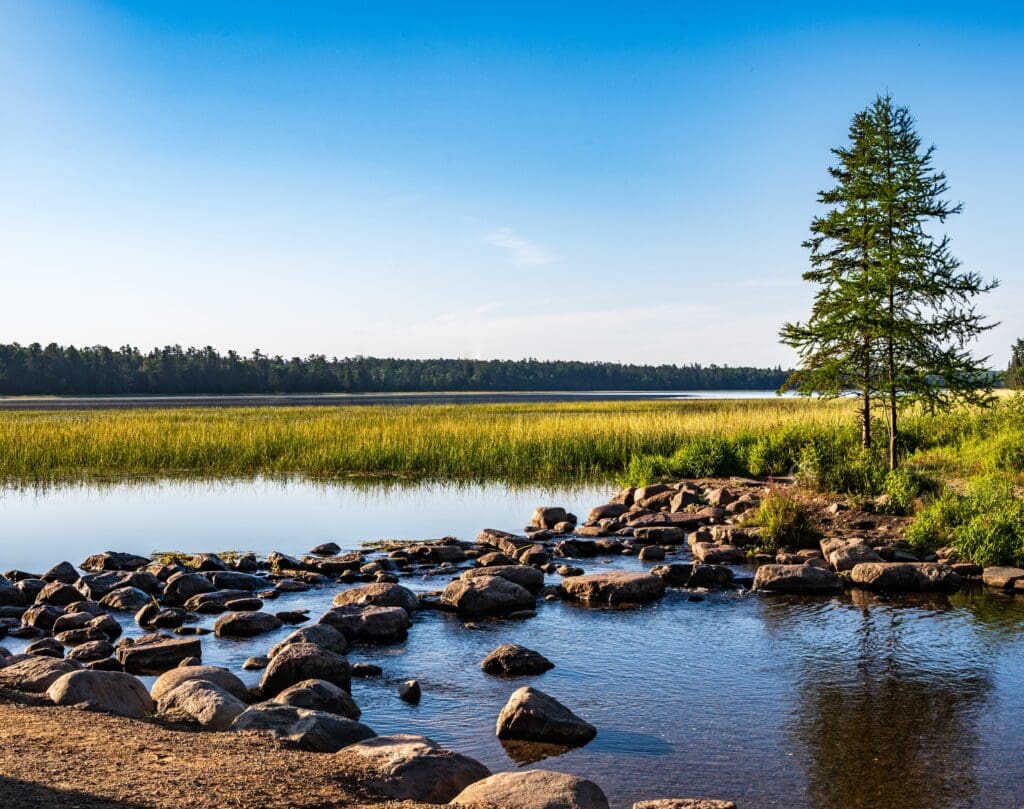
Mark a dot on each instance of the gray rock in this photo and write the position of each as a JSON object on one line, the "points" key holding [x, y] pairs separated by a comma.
{"points": [[548, 516], [245, 624], [319, 695], [157, 656], [533, 789], [532, 715], [796, 579], [310, 730], [63, 572], [525, 576], [485, 595], [182, 586], [235, 580], [58, 594], [322, 635], [409, 768], [304, 661], [615, 587], [92, 651], [379, 595], [108, 691], [1004, 578], [368, 624], [220, 677], [114, 560], [35, 674], [905, 577], [201, 701], [126, 599]]}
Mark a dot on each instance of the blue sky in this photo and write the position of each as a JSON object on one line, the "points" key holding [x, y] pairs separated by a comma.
{"points": [[625, 182]]}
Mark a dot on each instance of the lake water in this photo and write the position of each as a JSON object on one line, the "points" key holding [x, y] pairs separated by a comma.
{"points": [[848, 702]]}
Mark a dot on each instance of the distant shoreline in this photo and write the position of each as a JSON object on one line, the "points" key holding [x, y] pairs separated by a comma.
{"points": [[129, 402]]}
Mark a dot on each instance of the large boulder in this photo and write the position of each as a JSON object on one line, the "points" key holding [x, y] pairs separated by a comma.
{"points": [[614, 587], [58, 594], [533, 789], [35, 673], [379, 595], [96, 585], [201, 701], [126, 599], [182, 586], [524, 575], [46, 616], [548, 516], [368, 624], [710, 576], [158, 655], [503, 541], [310, 730], [486, 595], [322, 635], [713, 553], [796, 579], [109, 691], [304, 661], [114, 560], [913, 577], [319, 695], [235, 580], [609, 511], [409, 768], [222, 678], [851, 554], [532, 715], [63, 572], [245, 624], [511, 659]]}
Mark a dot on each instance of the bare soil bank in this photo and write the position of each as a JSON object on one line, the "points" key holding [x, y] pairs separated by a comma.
{"points": [[56, 757]]}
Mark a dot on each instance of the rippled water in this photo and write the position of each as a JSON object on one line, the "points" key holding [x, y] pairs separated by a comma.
{"points": [[846, 702]]}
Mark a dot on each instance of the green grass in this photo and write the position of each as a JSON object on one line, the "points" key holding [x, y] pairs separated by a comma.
{"points": [[589, 442], [551, 443]]}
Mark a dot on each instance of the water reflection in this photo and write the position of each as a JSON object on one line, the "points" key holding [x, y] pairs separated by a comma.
{"points": [[887, 704]]}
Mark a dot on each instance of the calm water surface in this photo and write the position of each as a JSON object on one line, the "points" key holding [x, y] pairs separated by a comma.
{"points": [[847, 702]]}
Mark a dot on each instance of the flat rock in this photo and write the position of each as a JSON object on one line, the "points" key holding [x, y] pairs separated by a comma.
{"points": [[409, 768], [158, 656], [615, 587], [533, 789], [317, 731], [796, 579], [109, 691], [525, 576], [379, 595], [532, 715], [368, 624], [486, 595], [512, 659], [914, 577], [35, 674], [848, 556], [245, 624], [1002, 577]]}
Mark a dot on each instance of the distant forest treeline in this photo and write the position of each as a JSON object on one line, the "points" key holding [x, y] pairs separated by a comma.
{"points": [[54, 369]]}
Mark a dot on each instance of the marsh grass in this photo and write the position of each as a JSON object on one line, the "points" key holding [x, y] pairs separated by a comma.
{"points": [[545, 443], [536, 443]]}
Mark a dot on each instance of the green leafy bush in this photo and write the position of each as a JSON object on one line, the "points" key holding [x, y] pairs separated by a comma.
{"points": [[985, 525], [704, 456], [784, 520]]}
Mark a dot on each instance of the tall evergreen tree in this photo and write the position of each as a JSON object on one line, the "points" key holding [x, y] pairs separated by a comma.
{"points": [[894, 317]]}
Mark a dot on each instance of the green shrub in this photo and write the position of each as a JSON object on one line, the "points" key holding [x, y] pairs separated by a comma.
{"points": [[904, 487], [835, 463], [783, 520], [703, 457], [773, 454], [985, 525]]}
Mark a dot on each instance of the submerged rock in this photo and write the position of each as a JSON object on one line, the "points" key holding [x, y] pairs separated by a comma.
{"points": [[533, 789], [409, 768], [532, 715]]}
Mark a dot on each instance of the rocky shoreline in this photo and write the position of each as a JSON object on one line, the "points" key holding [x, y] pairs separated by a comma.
{"points": [[690, 535]]}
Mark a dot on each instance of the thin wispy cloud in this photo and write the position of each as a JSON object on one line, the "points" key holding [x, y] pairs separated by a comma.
{"points": [[522, 252]]}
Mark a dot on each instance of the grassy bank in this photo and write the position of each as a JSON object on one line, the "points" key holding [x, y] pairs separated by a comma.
{"points": [[591, 441]]}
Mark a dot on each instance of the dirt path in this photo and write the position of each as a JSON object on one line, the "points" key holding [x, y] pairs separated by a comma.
{"points": [[60, 757]]}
